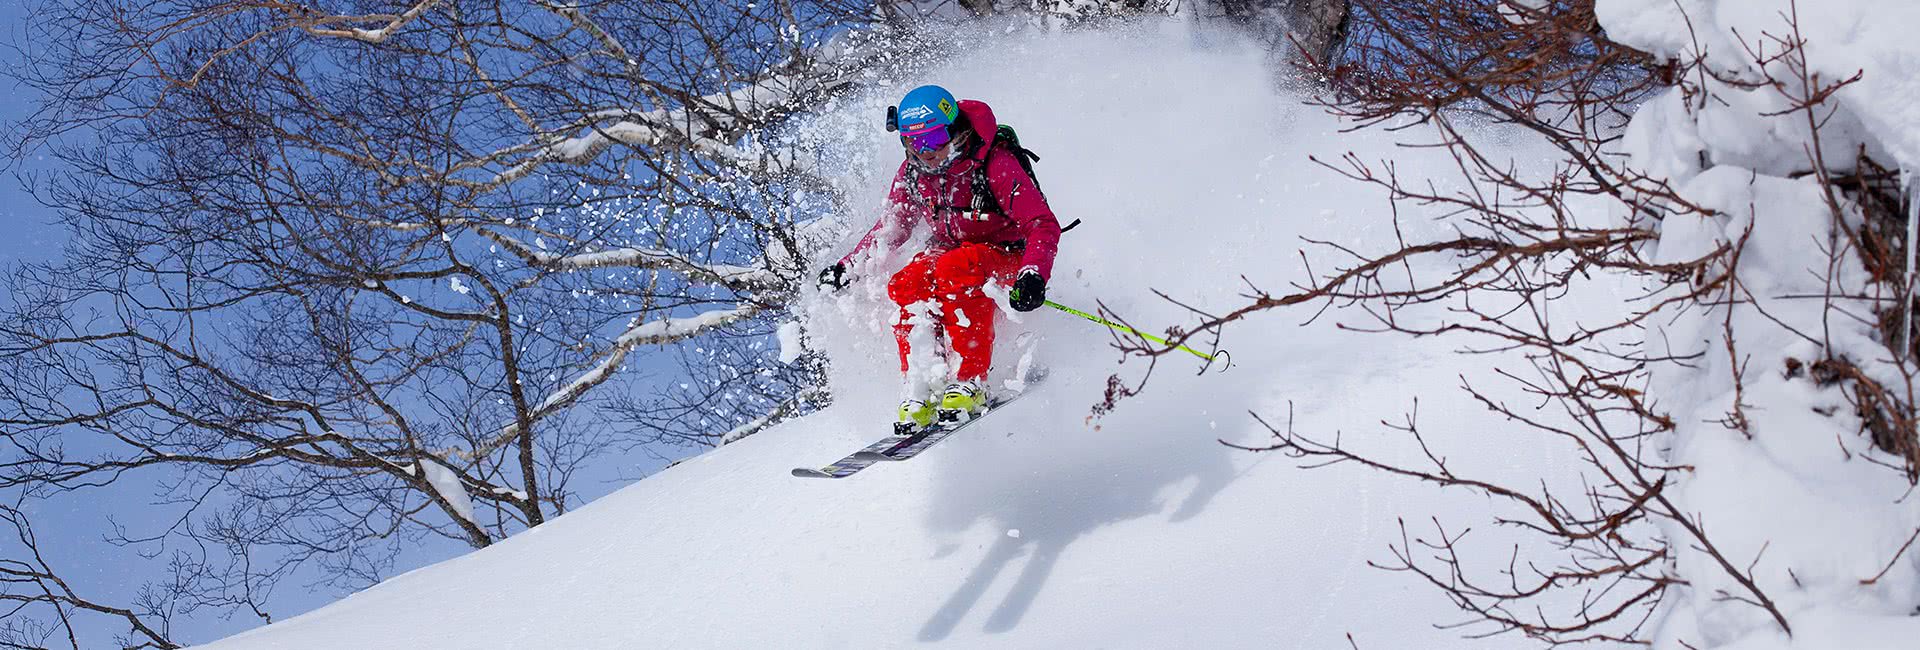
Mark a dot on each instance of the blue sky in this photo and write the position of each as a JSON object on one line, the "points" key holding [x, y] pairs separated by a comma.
{"points": [[71, 528], [30, 232]]}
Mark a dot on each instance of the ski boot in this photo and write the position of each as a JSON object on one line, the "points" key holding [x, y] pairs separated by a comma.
{"points": [[962, 400], [915, 416]]}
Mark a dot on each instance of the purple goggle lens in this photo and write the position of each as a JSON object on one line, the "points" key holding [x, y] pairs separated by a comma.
{"points": [[927, 136]]}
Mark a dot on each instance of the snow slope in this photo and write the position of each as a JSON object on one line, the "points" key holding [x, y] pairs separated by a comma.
{"points": [[1041, 527]]}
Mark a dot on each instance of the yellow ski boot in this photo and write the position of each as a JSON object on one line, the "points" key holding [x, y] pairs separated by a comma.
{"points": [[962, 400], [915, 416]]}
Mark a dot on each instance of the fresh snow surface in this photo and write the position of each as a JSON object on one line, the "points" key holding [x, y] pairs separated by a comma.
{"points": [[1843, 37], [1042, 527]]}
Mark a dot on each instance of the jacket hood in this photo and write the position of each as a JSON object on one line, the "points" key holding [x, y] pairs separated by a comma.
{"points": [[981, 117]]}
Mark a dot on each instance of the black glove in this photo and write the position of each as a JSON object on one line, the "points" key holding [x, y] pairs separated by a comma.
{"points": [[834, 276], [1029, 292]]}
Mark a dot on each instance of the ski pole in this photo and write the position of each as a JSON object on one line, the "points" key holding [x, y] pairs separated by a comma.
{"points": [[1126, 329]]}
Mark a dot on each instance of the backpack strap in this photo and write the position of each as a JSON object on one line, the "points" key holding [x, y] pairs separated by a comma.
{"points": [[983, 198], [1006, 138]]}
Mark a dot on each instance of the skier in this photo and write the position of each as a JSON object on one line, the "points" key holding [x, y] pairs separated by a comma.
{"points": [[989, 222]]}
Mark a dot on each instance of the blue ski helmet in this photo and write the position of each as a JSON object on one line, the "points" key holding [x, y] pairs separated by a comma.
{"points": [[923, 117]]}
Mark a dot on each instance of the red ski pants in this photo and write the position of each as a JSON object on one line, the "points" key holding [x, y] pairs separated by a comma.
{"points": [[953, 279]]}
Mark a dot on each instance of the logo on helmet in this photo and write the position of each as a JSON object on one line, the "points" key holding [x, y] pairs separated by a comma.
{"points": [[916, 113], [946, 108]]}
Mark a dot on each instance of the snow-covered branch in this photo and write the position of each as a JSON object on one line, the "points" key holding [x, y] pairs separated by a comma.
{"points": [[586, 23], [655, 332], [706, 125], [376, 36], [776, 416], [741, 277]]}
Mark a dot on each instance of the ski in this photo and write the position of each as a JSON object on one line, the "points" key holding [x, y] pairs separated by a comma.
{"points": [[897, 447], [911, 447], [855, 462]]}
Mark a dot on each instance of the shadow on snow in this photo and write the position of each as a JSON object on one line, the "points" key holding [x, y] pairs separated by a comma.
{"points": [[1050, 479]]}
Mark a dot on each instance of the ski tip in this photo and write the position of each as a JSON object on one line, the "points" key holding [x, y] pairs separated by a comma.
{"points": [[808, 472]]}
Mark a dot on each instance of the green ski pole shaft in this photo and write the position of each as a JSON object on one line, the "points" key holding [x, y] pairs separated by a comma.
{"points": [[1126, 329]]}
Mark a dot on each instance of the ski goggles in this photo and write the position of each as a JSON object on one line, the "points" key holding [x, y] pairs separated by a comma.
{"points": [[926, 136]]}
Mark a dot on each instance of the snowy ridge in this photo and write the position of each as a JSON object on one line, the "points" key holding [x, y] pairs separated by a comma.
{"points": [[1041, 527]]}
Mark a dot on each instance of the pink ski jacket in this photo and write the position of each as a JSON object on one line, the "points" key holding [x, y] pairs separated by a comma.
{"points": [[943, 200]]}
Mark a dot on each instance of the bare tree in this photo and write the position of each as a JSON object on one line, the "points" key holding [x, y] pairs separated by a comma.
{"points": [[1549, 68], [341, 275]]}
